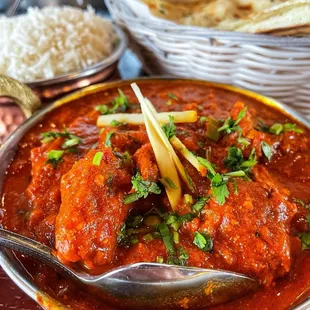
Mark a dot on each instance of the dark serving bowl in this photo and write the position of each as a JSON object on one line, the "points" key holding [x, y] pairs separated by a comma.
{"points": [[9, 262]]}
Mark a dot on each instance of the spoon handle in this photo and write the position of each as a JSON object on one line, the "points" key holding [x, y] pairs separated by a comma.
{"points": [[32, 248]]}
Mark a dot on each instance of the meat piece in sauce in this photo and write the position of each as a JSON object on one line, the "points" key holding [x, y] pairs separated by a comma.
{"points": [[43, 191], [250, 232], [146, 163], [92, 209]]}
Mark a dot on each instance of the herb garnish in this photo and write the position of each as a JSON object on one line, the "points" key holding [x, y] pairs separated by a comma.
{"points": [[231, 125], [119, 104], [142, 189], [180, 258], [70, 139], [200, 203], [203, 241], [108, 138], [305, 237], [54, 157], [206, 164], [165, 234], [173, 96], [277, 128], [267, 150], [97, 158], [169, 129], [235, 160]]}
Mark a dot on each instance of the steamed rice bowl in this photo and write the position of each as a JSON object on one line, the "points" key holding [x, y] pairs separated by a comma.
{"points": [[48, 42]]}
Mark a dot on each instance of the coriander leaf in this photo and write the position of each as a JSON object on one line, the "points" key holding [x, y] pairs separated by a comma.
{"points": [[97, 158], [200, 203], [54, 157], [219, 188], [169, 129], [267, 150], [203, 241], [292, 127], [231, 125], [142, 189], [103, 109], [175, 221], [70, 139], [183, 256], [173, 96], [276, 129], [166, 235], [234, 159], [121, 102], [206, 164], [108, 138], [305, 239], [203, 119]]}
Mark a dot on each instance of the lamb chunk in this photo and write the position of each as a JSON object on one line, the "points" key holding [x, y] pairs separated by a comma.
{"points": [[92, 209], [43, 192], [251, 232], [146, 163]]}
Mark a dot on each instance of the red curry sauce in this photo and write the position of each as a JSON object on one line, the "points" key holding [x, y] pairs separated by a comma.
{"points": [[78, 207]]}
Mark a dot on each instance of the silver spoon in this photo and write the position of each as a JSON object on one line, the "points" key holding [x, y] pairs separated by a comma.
{"points": [[143, 285]]}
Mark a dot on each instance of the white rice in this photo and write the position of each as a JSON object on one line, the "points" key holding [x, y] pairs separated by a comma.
{"points": [[48, 42]]}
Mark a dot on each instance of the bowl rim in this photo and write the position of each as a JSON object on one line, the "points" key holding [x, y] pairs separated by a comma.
{"points": [[117, 52], [8, 261]]}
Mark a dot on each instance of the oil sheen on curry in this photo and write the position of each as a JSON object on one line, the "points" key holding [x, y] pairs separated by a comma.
{"points": [[88, 182]]}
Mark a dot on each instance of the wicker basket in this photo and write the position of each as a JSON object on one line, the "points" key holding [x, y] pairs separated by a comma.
{"points": [[277, 67]]}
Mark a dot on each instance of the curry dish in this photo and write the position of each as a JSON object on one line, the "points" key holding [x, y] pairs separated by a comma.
{"points": [[85, 181]]}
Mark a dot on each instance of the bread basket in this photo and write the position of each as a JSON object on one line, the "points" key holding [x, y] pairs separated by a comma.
{"points": [[277, 67]]}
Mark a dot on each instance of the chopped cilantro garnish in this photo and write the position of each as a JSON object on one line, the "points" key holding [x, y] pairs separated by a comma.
{"points": [[54, 157], [203, 241], [277, 128], [97, 158], [203, 119], [70, 139], [267, 150], [305, 237], [219, 188], [231, 125], [235, 160], [166, 235], [200, 203], [142, 189], [104, 109], [108, 138], [180, 258], [175, 221], [173, 96], [206, 164], [292, 127], [120, 103], [169, 129]]}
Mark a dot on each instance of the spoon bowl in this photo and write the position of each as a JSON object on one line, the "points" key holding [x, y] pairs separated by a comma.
{"points": [[144, 285]]}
